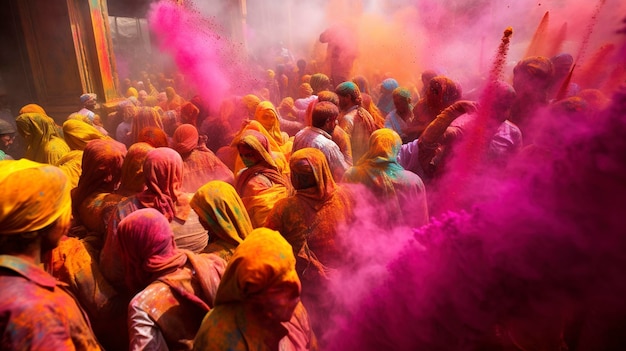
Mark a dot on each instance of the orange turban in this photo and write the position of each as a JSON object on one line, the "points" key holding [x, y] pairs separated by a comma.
{"points": [[34, 195]]}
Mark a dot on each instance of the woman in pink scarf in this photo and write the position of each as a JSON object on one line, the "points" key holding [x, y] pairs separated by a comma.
{"points": [[163, 171], [174, 288]]}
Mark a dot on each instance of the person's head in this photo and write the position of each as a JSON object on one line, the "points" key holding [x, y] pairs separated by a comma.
{"points": [[7, 135], [532, 76], [349, 95], [101, 169], [126, 109], [304, 90], [319, 82], [78, 133], [500, 98], [146, 239], [154, 136], [132, 178], [253, 148], [221, 212], [36, 206], [251, 102], [362, 83], [310, 174], [401, 100], [170, 93], [163, 172], [266, 114], [388, 85], [89, 100], [384, 144], [185, 139], [324, 116], [328, 96], [442, 92], [262, 276]]}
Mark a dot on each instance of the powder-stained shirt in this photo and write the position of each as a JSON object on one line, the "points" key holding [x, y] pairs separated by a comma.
{"points": [[319, 139], [37, 312]]}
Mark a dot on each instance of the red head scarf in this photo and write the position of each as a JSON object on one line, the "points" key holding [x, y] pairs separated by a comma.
{"points": [[163, 170], [101, 169], [147, 246]]}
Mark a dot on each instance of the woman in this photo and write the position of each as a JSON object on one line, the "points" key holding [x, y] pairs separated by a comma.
{"points": [[199, 163], [133, 180], [223, 214], [311, 220], [260, 185], [163, 171], [144, 117], [401, 192], [257, 305], [267, 115], [93, 199], [44, 143], [441, 93], [77, 133], [174, 288]]}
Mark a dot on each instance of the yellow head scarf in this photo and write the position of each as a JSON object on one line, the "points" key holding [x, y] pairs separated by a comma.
{"points": [[221, 207], [77, 134], [263, 260], [34, 195], [267, 115], [39, 130]]}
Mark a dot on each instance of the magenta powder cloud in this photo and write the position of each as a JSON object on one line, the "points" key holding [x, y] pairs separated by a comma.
{"points": [[196, 49]]}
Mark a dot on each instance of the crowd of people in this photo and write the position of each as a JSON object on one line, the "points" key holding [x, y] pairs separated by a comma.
{"points": [[169, 224]]}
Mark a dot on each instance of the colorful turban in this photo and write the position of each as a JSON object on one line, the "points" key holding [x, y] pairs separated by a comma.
{"points": [[88, 98], [319, 82], [389, 84], [404, 92], [348, 89], [34, 195]]}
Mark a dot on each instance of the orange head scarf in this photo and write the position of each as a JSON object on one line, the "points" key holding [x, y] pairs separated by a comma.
{"points": [[101, 169], [262, 261], [132, 180], [34, 195], [220, 206], [311, 163]]}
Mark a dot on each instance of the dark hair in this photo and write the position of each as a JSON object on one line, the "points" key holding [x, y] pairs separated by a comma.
{"points": [[322, 112]]}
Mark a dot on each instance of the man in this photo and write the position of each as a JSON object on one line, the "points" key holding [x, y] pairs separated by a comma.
{"points": [[354, 119], [89, 102], [318, 136], [7, 135], [37, 312], [401, 119]]}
